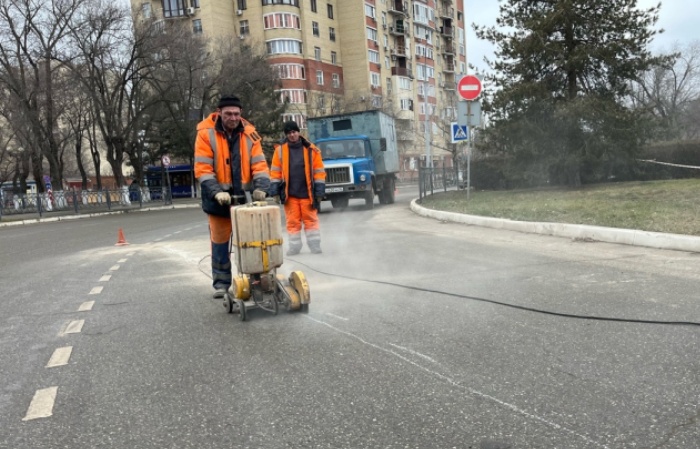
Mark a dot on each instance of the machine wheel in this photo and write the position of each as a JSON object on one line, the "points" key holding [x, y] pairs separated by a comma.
{"points": [[288, 295], [298, 282], [340, 203], [369, 198], [273, 305], [243, 314], [228, 303]]}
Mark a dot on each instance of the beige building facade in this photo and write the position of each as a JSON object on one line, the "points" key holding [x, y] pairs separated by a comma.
{"points": [[335, 56]]}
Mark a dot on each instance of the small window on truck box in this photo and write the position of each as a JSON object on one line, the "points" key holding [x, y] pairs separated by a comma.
{"points": [[342, 125]]}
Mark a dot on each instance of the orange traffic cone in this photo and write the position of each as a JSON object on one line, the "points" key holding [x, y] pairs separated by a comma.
{"points": [[120, 238]]}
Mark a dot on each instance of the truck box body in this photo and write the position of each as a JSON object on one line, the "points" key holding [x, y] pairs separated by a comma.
{"points": [[360, 155]]}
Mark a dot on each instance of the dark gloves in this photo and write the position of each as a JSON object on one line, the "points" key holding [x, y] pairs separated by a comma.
{"points": [[319, 189]]}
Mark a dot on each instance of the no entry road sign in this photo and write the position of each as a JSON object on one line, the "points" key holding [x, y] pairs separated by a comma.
{"points": [[469, 87]]}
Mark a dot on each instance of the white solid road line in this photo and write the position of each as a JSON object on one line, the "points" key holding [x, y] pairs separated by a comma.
{"points": [[60, 357], [96, 290], [42, 404], [86, 306]]}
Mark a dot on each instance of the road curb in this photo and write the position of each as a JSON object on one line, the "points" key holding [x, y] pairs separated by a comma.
{"points": [[657, 240]]}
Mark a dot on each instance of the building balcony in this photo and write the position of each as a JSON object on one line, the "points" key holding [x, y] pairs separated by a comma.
{"points": [[446, 13], [447, 85], [401, 71], [398, 7], [449, 67], [399, 50], [448, 49], [399, 28], [447, 31]]}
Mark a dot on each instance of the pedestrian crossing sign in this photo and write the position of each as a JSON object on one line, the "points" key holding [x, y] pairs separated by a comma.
{"points": [[459, 133]]}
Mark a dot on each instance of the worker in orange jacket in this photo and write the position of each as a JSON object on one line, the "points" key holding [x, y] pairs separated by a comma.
{"points": [[298, 180], [228, 162]]}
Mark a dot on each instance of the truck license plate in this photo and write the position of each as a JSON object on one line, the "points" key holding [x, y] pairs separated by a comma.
{"points": [[334, 189]]}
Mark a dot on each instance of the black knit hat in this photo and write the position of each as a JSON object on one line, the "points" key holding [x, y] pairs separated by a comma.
{"points": [[229, 101], [291, 126]]}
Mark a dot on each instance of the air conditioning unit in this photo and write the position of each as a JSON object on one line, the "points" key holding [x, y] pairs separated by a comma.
{"points": [[393, 57], [239, 12], [190, 11], [384, 26], [386, 48]]}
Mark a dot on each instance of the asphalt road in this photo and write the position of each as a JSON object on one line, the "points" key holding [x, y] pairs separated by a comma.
{"points": [[411, 340]]}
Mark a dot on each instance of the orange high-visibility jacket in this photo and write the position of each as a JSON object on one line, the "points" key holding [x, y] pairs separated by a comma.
{"points": [[279, 170], [211, 152]]}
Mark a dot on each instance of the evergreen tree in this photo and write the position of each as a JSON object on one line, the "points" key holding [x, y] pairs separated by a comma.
{"points": [[559, 111]]}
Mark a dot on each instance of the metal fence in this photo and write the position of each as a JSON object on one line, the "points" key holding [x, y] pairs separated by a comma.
{"points": [[431, 179], [63, 202]]}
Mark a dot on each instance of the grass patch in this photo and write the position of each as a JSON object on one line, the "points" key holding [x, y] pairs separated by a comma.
{"points": [[659, 206]]}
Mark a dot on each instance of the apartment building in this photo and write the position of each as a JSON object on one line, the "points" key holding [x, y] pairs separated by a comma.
{"points": [[334, 56]]}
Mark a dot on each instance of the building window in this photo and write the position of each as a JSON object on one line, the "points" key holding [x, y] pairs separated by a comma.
{"points": [[406, 104], [317, 53], [194, 3], [388, 86], [278, 46], [313, 6], [334, 57], [173, 8], [386, 63], [336, 80], [372, 34], [376, 101], [281, 20], [330, 11], [331, 33], [242, 4], [281, 2], [373, 56], [197, 26], [146, 10], [370, 11], [245, 27], [314, 28], [319, 77], [404, 83], [374, 79], [295, 96], [291, 71]]}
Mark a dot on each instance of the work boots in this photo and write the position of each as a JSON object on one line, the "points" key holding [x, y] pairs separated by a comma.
{"points": [[315, 247], [293, 250]]}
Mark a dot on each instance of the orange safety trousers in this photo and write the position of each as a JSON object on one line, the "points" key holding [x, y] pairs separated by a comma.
{"points": [[300, 211], [220, 235]]}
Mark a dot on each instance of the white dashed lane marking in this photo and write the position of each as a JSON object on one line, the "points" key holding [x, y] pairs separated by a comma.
{"points": [[106, 278], [122, 260], [60, 357], [74, 327], [114, 268], [96, 290], [86, 306], [42, 404]]}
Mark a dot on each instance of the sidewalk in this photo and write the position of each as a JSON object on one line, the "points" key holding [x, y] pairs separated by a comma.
{"points": [[23, 219]]}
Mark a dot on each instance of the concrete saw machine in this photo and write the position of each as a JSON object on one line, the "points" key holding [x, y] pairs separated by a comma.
{"points": [[257, 248]]}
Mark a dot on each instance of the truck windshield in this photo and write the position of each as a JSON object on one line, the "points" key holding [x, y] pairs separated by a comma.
{"points": [[339, 149]]}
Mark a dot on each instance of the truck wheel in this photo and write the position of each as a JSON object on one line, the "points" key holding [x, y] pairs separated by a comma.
{"points": [[369, 199], [340, 203], [391, 191]]}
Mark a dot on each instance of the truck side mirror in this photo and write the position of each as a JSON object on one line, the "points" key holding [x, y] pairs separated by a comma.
{"points": [[382, 144]]}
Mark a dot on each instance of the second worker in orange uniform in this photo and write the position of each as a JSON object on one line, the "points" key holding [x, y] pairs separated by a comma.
{"points": [[298, 180]]}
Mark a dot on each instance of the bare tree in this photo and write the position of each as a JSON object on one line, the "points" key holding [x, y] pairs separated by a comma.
{"points": [[672, 93], [109, 65], [32, 40]]}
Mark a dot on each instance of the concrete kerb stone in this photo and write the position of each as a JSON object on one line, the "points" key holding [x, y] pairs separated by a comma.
{"points": [[658, 240]]}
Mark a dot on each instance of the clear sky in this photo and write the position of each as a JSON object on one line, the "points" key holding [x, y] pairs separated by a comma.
{"points": [[679, 18]]}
